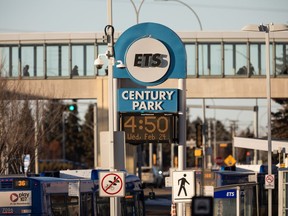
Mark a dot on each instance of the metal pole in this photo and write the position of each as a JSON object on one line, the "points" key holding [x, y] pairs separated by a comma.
{"points": [[182, 135], [95, 129], [150, 154], [63, 135], [215, 141], [36, 138], [203, 146], [190, 8], [182, 124], [268, 88], [256, 130], [209, 163], [115, 207], [137, 11]]}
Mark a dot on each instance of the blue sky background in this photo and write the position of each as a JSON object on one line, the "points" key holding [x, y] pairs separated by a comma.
{"points": [[91, 16]]}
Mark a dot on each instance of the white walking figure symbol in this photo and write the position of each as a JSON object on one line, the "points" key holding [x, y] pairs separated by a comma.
{"points": [[182, 185]]}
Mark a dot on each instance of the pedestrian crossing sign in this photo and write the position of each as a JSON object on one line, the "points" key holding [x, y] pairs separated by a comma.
{"points": [[183, 186]]}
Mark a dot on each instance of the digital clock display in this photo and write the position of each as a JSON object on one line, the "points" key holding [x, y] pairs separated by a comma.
{"points": [[21, 183], [148, 128]]}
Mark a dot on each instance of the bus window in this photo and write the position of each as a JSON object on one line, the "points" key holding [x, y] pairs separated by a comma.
{"points": [[62, 205], [132, 204], [127, 204], [87, 204], [58, 204], [103, 206], [72, 204]]}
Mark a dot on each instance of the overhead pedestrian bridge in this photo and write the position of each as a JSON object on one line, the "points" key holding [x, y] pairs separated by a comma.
{"points": [[219, 64]]}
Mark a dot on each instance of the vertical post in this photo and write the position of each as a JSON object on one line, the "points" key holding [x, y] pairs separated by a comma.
{"points": [[172, 155], [182, 134], [114, 201], [95, 135], [182, 124], [36, 138], [203, 146], [63, 136], [256, 130], [268, 89], [150, 154], [209, 163], [215, 140]]}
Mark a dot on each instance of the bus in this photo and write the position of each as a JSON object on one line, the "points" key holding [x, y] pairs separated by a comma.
{"points": [[56, 196]]}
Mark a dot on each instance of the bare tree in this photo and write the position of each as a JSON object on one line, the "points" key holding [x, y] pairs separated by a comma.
{"points": [[21, 130]]}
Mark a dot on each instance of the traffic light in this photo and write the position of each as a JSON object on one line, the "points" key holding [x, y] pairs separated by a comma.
{"points": [[199, 135], [71, 107]]}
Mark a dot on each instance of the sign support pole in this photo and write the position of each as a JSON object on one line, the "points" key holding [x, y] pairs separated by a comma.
{"points": [[114, 202], [182, 135]]}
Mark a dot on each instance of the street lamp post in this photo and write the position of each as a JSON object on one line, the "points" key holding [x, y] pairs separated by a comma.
{"points": [[267, 29], [114, 202], [190, 8], [182, 148], [137, 11], [209, 164]]}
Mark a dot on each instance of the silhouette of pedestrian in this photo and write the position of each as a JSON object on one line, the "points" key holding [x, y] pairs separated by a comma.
{"points": [[75, 71], [182, 185], [25, 70]]}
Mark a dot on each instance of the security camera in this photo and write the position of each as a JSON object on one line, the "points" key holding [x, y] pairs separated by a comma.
{"points": [[98, 63], [120, 64]]}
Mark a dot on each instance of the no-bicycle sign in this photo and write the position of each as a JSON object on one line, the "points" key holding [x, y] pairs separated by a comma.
{"points": [[112, 184]]}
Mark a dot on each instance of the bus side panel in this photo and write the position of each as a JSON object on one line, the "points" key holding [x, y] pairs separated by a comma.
{"points": [[37, 198], [15, 202]]}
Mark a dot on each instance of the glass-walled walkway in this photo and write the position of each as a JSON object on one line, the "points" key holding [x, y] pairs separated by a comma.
{"points": [[72, 55]]}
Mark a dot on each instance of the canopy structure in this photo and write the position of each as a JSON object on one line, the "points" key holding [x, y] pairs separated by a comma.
{"points": [[259, 144]]}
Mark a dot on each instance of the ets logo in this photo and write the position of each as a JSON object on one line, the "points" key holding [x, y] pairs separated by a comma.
{"points": [[147, 60], [150, 60], [230, 194]]}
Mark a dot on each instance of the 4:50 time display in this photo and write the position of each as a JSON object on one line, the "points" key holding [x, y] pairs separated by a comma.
{"points": [[147, 128], [148, 123]]}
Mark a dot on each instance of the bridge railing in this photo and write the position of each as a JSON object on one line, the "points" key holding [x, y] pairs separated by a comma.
{"points": [[209, 54]]}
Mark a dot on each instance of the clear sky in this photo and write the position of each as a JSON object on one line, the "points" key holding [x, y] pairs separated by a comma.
{"points": [[91, 16]]}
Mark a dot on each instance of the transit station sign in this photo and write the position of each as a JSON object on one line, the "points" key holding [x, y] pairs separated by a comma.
{"points": [[152, 53], [147, 100]]}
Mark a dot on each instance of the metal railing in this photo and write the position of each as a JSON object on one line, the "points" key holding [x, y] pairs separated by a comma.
{"points": [[71, 55]]}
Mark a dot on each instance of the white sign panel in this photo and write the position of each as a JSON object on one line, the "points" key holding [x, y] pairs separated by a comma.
{"points": [[148, 60], [74, 189], [112, 184], [269, 181], [183, 186], [15, 199]]}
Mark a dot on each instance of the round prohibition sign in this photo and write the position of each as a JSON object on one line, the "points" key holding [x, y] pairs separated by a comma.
{"points": [[112, 184], [269, 178]]}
